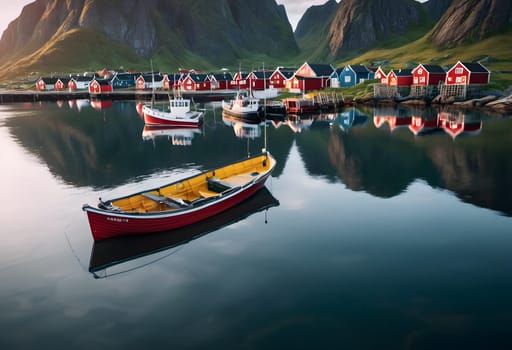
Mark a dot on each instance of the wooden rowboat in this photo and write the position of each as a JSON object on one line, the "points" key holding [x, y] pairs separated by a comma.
{"points": [[128, 250], [180, 203]]}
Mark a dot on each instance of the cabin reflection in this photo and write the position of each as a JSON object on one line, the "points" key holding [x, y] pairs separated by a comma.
{"points": [[457, 123], [99, 105], [351, 118], [178, 136], [392, 121], [453, 123]]}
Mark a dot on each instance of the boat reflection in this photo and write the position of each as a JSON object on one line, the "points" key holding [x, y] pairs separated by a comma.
{"points": [[242, 129], [119, 251], [298, 123], [178, 136]]}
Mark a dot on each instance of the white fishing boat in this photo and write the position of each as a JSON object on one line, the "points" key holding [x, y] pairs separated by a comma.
{"points": [[179, 114], [243, 107]]}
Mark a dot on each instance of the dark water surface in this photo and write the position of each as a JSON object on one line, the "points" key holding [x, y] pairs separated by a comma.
{"points": [[369, 236]]}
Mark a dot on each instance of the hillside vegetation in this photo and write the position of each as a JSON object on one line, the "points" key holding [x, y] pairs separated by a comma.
{"points": [[54, 36]]}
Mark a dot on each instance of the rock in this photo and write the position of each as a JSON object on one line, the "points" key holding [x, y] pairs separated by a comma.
{"points": [[502, 104], [467, 20], [360, 24]]}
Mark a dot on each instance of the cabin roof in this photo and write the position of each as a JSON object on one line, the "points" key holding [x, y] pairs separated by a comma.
{"points": [[222, 76], [432, 68], [402, 72], [475, 67], [125, 76], [150, 77], [358, 68], [198, 78], [321, 70], [49, 80], [286, 72], [82, 78], [103, 81], [262, 74]]}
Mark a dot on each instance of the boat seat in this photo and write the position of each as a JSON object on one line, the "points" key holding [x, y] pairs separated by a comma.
{"points": [[176, 203], [208, 194], [217, 185]]}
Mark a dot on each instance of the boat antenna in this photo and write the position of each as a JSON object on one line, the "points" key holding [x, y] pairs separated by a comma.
{"points": [[152, 83]]}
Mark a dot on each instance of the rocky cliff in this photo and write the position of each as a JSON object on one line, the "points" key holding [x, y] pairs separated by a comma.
{"points": [[360, 24], [313, 29], [470, 20]]}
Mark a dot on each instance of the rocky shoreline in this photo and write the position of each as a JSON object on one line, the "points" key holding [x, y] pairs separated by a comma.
{"points": [[500, 103]]}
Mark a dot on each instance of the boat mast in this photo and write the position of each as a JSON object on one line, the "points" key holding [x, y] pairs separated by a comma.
{"points": [[152, 83], [264, 110]]}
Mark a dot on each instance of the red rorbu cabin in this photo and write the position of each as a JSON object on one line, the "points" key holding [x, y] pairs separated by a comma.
{"points": [[428, 74], [46, 84], [98, 86], [280, 76], [400, 77], [321, 73], [259, 80], [467, 73], [381, 75], [241, 81], [196, 82], [221, 81]]}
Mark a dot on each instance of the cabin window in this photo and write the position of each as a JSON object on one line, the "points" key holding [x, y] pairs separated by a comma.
{"points": [[459, 70], [422, 79], [348, 78], [420, 71], [458, 79]]}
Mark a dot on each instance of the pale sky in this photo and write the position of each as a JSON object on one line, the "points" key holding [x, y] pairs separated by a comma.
{"points": [[296, 8], [11, 9]]}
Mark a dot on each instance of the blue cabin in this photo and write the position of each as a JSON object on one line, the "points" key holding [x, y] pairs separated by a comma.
{"points": [[123, 80], [354, 74], [335, 77]]}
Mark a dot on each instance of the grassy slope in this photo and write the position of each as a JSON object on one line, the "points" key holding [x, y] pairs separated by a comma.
{"points": [[496, 47]]}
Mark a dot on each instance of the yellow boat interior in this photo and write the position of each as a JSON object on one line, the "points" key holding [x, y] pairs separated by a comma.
{"points": [[196, 189]]}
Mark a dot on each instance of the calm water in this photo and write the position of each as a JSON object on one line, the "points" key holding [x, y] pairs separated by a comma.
{"points": [[369, 236]]}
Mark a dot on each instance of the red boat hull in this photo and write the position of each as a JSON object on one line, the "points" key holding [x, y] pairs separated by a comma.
{"points": [[107, 224], [152, 120]]}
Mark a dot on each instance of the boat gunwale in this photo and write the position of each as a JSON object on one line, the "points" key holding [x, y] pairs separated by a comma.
{"points": [[199, 205]]}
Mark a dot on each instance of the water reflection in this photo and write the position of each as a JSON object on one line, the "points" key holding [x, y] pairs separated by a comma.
{"points": [[351, 118], [105, 149], [99, 104], [453, 123], [111, 252], [242, 129], [176, 135]]}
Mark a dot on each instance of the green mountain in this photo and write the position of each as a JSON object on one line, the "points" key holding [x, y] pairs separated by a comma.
{"points": [[406, 32], [53, 36], [58, 35]]}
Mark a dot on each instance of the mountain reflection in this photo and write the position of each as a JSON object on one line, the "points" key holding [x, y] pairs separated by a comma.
{"points": [[378, 151]]}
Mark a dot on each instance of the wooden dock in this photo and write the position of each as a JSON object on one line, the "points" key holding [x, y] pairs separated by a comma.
{"points": [[11, 96]]}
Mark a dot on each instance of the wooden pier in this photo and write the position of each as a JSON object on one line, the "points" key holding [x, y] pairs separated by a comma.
{"points": [[11, 96]]}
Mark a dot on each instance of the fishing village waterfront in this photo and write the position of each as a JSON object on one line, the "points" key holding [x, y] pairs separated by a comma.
{"points": [[378, 223], [257, 174]]}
